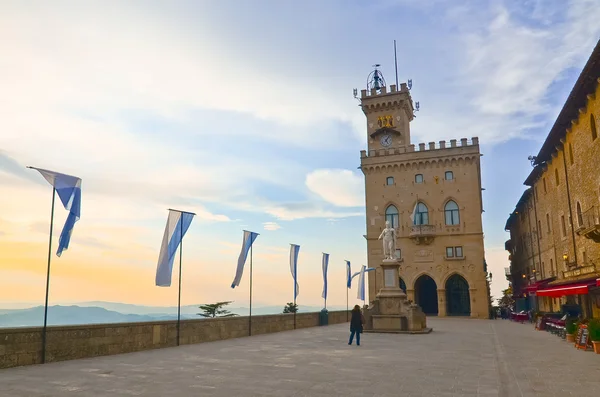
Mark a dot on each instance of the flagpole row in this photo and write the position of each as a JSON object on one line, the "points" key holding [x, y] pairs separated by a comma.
{"points": [[250, 316], [179, 296], [48, 278]]}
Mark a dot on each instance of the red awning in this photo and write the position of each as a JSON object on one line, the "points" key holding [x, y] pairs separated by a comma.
{"points": [[580, 288], [533, 287], [598, 282]]}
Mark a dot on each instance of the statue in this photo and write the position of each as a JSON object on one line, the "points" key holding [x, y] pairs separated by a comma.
{"points": [[389, 241]]}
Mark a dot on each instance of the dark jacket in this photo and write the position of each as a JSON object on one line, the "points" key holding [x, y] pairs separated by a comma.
{"points": [[356, 322]]}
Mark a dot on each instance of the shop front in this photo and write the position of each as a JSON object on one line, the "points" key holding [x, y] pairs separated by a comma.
{"points": [[580, 295]]}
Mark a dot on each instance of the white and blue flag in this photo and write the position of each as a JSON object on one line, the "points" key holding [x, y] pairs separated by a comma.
{"points": [[325, 265], [247, 241], [361, 284], [348, 274], [178, 223], [368, 269], [294, 249], [69, 191]]}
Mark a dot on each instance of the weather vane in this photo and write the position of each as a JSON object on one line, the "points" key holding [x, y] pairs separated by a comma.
{"points": [[375, 79]]}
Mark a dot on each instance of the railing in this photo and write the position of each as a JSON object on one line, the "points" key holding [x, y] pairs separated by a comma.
{"points": [[588, 224], [422, 230], [589, 218]]}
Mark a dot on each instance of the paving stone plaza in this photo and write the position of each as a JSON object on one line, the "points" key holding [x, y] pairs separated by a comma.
{"points": [[461, 357]]}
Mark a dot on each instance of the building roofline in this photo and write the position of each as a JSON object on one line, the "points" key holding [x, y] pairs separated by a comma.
{"points": [[522, 200], [577, 99], [534, 175]]}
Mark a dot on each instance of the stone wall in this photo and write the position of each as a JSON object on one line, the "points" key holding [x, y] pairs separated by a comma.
{"points": [[23, 346]]}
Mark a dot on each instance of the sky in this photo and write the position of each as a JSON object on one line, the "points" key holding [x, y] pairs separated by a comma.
{"points": [[242, 112]]}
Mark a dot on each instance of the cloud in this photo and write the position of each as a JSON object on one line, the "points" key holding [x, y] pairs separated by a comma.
{"points": [[271, 226], [513, 56], [342, 188]]}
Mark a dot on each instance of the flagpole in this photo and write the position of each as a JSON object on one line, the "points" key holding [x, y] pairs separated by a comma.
{"points": [[295, 278], [48, 278], [347, 303], [250, 317], [179, 298]]}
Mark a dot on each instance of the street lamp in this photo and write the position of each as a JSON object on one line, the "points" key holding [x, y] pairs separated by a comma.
{"points": [[565, 257]]}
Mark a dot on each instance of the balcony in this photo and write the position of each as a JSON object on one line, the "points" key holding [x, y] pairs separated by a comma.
{"points": [[589, 224], [422, 234], [508, 245], [507, 273]]}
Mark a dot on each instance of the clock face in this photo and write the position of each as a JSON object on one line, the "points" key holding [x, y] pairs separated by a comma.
{"points": [[386, 140]]}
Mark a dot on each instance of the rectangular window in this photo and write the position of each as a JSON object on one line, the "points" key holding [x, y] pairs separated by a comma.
{"points": [[563, 226], [398, 253], [389, 180], [449, 252], [584, 257], [458, 251], [419, 178], [449, 175], [548, 223], [556, 177], [539, 229]]}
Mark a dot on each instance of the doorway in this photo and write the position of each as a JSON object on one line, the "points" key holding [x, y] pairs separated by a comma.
{"points": [[426, 295], [457, 296]]}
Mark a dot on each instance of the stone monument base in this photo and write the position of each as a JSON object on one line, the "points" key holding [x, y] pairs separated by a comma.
{"points": [[391, 312]]}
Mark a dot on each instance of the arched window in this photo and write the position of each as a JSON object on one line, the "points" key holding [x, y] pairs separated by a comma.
{"points": [[419, 178], [556, 176], [593, 127], [421, 215], [391, 216], [452, 215], [579, 215], [389, 180], [449, 175]]}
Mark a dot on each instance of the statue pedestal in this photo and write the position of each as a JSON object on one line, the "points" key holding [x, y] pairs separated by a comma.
{"points": [[391, 311]]}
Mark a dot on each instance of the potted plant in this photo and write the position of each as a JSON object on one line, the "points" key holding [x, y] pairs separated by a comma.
{"points": [[594, 333], [570, 328]]}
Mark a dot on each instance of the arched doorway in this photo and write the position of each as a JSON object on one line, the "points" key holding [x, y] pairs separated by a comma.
{"points": [[426, 295], [457, 296]]}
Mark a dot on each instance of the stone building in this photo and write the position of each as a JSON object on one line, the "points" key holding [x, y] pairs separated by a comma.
{"points": [[555, 228], [431, 195]]}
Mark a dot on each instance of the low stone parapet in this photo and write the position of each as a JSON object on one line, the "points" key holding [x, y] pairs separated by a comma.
{"points": [[23, 346]]}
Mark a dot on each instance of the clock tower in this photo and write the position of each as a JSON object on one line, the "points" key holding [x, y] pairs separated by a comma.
{"points": [[430, 193], [389, 113]]}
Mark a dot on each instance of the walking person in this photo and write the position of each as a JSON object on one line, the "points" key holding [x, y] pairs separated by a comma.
{"points": [[356, 325]]}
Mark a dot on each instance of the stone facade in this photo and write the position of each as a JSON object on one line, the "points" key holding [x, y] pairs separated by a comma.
{"points": [[446, 242], [555, 228], [22, 346]]}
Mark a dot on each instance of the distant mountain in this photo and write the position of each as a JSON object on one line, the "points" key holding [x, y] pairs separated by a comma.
{"points": [[71, 315], [114, 312], [193, 310]]}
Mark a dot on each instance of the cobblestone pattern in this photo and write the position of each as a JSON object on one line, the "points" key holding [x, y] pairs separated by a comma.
{"points": [[461, 357]]}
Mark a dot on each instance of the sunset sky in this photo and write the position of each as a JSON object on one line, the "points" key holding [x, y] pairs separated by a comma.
{"points": [[243, 113]]}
